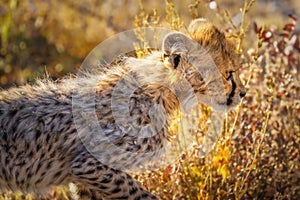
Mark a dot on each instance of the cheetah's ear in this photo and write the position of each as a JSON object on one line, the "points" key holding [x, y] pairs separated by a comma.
{"points": [[200, 24], [205, 32], [175, 47]]}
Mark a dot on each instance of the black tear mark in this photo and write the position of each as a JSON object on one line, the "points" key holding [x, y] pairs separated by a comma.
{"points": [[231, 95]]}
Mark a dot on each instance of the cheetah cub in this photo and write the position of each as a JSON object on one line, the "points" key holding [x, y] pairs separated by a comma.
{"points": [[42, 145]]}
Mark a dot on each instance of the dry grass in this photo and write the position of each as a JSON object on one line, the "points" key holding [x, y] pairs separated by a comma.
{"points": [[257, 155]]}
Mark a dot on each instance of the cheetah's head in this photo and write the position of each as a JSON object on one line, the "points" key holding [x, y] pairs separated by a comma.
{"points": [[207, 60]]}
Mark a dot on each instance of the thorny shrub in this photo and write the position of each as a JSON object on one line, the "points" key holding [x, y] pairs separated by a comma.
{"points": [[257, 155]]}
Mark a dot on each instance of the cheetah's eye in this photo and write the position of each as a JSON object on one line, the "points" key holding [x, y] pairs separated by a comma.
{"points": [[228, 75]]}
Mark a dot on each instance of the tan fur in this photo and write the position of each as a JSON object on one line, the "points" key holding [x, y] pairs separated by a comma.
{"points": [[89, 130]]}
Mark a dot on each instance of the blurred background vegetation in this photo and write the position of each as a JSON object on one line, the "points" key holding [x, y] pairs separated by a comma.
{"points": [[257, 155], [53, 37]]}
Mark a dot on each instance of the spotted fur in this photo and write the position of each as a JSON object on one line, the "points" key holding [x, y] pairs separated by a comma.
{"points": [[41, 145]]}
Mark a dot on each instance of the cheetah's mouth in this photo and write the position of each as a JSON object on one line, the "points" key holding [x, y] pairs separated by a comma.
{"points": [[232, 93]]}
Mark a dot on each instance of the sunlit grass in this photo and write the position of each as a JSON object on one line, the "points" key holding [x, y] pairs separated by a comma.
{"points": [[257, 152]]}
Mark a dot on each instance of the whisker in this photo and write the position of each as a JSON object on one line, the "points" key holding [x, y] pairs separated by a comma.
{"points": [[251, 93], [241, 67]]}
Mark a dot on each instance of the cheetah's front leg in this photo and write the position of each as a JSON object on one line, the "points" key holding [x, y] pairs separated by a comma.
{"points": [[105, 182]]}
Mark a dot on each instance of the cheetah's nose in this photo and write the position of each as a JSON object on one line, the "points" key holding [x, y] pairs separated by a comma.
{"points": [[242, 94]]}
